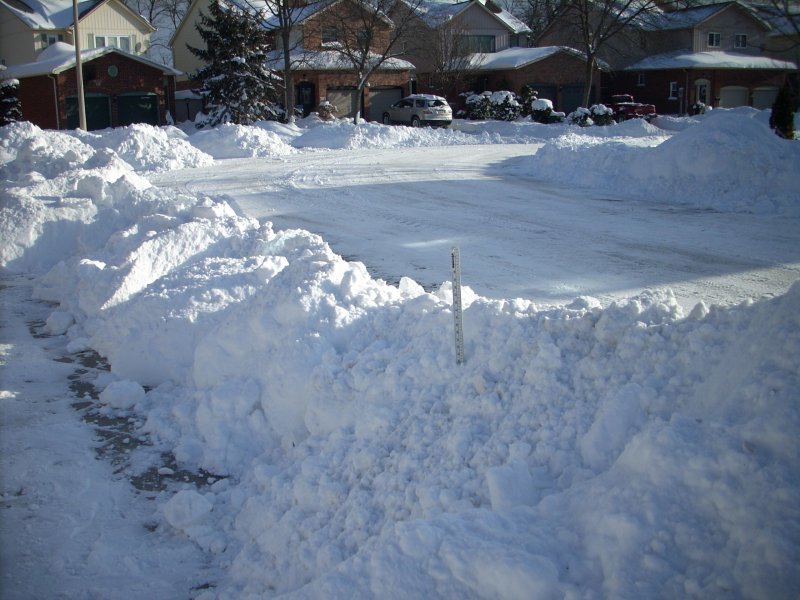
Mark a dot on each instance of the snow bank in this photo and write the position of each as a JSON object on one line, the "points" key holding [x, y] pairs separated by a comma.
{"points": [[629, 451], [729, 161]]}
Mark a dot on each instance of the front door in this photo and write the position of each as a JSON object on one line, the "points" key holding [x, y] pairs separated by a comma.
{"points": [[304, 96], [701, 92]]}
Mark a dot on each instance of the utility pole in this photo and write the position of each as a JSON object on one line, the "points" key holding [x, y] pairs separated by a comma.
{"points": [[78, 67]]}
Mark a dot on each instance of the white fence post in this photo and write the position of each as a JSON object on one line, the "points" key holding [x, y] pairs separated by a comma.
{"points": [[458, 318]]}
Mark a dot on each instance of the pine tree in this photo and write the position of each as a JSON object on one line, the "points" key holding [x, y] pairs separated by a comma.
{"points": [[782, 117], [10, 108], [235, 80]]}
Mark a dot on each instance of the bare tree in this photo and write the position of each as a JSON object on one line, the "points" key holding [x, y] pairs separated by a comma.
{"points": [[595, 22], [365, 37], [282, 16]]}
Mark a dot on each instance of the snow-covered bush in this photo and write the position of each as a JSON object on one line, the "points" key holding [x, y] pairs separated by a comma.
{"points": [[699, 108], [502, 106], [505, 106], [526, 99], [580, 116], [542, 112], [602, 114]]}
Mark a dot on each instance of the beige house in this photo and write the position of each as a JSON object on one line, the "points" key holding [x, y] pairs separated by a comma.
{"points": [[29, 26]]}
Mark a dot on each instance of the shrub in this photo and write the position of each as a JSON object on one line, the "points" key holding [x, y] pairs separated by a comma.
{"points": [[580, 116], [541, 110], [479, 106], [504, 106], [601, 114], [526, 99], [782, 117], [10, 108]]}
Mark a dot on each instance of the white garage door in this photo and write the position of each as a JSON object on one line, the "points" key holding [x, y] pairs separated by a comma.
{"points": [[732, 96], [764, 97], [344, 101]]}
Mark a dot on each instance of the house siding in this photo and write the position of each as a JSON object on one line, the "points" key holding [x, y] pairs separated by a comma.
{"points": [[110, 19], [728, 23], [17, 44]]}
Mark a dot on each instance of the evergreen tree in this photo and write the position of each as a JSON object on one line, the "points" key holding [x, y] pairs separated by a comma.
{"points": [[10, 109], [782, 117], [235, 80]]}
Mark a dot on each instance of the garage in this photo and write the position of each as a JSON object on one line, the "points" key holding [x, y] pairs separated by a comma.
{"points": [[732, 96], [380, 99], [98, 111], [764, 97], [344, 100], [137, 108]]}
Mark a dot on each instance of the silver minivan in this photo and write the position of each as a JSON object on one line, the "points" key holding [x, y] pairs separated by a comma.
{"points": [[420, 109]]}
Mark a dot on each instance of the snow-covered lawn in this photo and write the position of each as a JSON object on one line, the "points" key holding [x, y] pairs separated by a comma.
{"points": [[278, 421]]}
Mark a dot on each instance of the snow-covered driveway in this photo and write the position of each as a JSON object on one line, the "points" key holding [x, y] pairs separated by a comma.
{"points": [[400, 210]]}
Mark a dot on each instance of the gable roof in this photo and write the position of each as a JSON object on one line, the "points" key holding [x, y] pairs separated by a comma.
{"points": [[60, 57], [57, 14], [688, 18], [437, 12]]}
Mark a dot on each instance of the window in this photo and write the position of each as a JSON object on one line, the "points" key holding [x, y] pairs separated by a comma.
{"points": [[740, 40], [48, 39], [330, 35], [673, 90], [123, 42], [477, 43], [640, 80], [714, 40]]}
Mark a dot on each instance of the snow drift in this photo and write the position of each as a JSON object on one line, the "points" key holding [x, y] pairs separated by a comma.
{"points": [[583, 451]]}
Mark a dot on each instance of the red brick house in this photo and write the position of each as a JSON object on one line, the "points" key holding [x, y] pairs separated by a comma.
{"points": [[119, 88], [319, 71]]}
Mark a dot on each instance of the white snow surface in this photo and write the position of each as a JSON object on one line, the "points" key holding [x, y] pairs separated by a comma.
{"points": [[615, 447]]}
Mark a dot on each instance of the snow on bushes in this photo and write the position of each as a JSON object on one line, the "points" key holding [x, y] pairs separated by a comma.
{"points": [[501, 106]]}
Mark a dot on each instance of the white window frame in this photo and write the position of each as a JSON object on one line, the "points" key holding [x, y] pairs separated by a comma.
{"points": [[118, 39], [673, 90], [740, 41], [714, 39]]}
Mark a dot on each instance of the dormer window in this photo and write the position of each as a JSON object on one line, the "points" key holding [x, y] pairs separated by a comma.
{"points": [[48, 39], [714, 40], [740, 41], [473, 44]]}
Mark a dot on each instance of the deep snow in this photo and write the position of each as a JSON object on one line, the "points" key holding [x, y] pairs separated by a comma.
{"points": [[590, 449]]}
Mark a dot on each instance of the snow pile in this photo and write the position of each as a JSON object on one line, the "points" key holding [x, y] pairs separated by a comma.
{"points": [[628, 451], [729, 161], [238, 141]]}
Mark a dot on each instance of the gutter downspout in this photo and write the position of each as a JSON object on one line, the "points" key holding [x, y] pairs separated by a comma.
{"points": [[55, 100]]}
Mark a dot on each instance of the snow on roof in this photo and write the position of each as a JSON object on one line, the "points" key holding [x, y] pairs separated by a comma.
{"points": [[517, 58], [48, 14], [437, 12], [61, 56], [688, 18], [330, 60], [685, 59]]}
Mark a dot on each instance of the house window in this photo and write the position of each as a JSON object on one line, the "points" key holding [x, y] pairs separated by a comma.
{"points": [[714, 40], [673, 90], [330, 35], [477, 43], [48, 39], [123, 42], [640, 80], [362, 38], [740, 40]]}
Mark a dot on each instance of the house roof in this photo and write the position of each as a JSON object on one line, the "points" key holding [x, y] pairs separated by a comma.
{"points": [[330, 60], [60, 57], [437, 12], [689, 18], [517, 58], [686, 59], [56, 14]]}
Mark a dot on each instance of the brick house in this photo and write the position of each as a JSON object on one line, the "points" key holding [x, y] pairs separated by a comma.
{"points": [[476, 45], [723, 55], [319, 71], [119, 88]]}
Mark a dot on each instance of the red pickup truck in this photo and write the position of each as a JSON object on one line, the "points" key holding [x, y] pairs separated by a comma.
{"points": [[625, 108]]}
